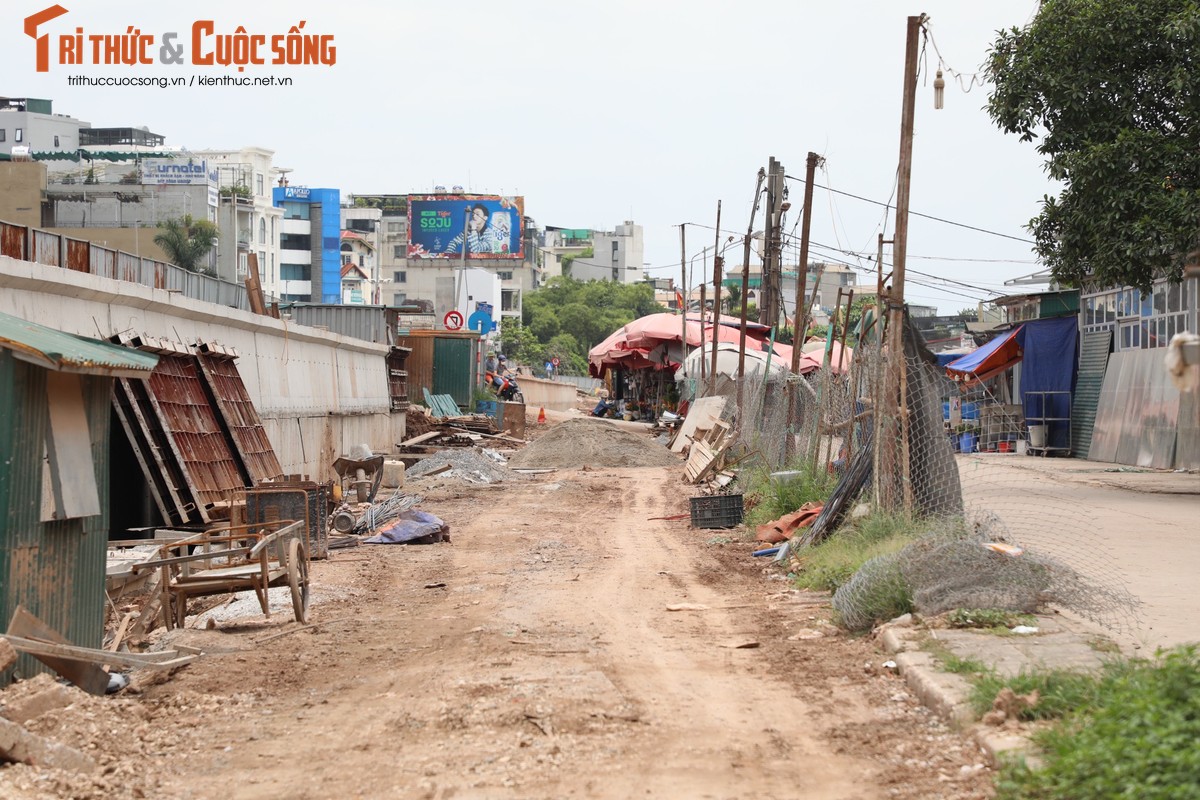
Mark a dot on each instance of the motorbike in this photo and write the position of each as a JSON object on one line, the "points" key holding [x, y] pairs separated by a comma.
{"points": [[505, 386]]}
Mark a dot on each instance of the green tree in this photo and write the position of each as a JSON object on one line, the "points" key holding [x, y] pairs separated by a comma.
{"points": [[733, 299], [186, 241], [1111, 92]]}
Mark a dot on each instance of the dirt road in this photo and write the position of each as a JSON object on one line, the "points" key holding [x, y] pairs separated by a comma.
{"points": [[533, 657]]}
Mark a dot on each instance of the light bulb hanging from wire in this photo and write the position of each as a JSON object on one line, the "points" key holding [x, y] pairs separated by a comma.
{"points": [[939, 90]]}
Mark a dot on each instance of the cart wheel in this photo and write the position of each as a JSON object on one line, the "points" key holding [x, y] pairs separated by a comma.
{"points": [[297, 569]]}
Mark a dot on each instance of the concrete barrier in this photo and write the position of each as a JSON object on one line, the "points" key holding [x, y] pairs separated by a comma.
{"points": [[540, 393]]}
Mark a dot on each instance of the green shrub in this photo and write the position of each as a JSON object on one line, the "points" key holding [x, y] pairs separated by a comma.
{"points": [[772, 499], [1136, 737]]}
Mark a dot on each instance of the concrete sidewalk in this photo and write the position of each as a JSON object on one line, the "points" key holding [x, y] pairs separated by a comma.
{"points": [[1057, 644]]}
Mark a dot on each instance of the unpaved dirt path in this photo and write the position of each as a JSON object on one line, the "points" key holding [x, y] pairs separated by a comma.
{"points": [[548, 665], [534, 657]]}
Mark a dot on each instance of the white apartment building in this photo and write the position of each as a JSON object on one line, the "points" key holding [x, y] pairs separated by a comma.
{"points": [[246, 216]]}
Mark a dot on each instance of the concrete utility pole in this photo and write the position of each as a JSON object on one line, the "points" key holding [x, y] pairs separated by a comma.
{"points": [[683, 291], [768, 310], [718, 262], [746, 289]]}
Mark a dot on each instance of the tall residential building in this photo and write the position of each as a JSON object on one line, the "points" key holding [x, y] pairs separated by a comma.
{"points": [[247, 216], [362, 244], [310, 268], [616, 255]]}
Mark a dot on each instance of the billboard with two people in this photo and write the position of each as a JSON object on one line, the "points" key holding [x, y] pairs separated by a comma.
{"points": [[487, 226]]}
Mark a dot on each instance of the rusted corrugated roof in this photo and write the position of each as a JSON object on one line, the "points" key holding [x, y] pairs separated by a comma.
{"points": [[66, 352]]}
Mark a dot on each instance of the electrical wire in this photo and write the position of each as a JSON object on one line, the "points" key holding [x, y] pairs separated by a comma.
{"points": [[917, 213]]}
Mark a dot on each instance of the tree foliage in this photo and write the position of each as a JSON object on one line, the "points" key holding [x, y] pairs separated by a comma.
{"points": [[567, 317], [1110, 91], [186, 241]]}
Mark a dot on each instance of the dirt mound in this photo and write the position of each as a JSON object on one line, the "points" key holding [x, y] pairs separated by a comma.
{"points": [[591, 443]]}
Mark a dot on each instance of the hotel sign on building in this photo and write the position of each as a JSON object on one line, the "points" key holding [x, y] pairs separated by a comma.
{"points": [[177, 172]]}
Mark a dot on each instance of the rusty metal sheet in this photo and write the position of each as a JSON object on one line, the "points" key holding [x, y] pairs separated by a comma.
{"points": [[240, 417], [45, 248], [12, 240], [160, 275], [197, 437], [103, 262], [150, 445], [127, 268], [78, 255]]}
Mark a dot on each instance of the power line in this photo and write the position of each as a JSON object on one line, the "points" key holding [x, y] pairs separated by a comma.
{"points": [[917, 214]]}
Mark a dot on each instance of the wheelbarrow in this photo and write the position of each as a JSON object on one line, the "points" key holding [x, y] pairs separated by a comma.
{"points": [[232, 559]]}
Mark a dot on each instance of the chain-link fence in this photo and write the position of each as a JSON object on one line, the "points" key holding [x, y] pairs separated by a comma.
{"points": [[996, 536]]}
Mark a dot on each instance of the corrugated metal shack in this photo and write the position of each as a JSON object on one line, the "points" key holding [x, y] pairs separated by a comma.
{"points": [[444, 362], [55, 391]]}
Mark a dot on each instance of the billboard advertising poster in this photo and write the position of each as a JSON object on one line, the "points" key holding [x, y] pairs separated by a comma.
{"points": [[489, 225]]}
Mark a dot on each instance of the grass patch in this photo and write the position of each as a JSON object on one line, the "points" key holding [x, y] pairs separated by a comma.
{"points": [[996, 620], [1060, 692], [832, 563], [769, 500], [964, 666], [1133, 734]]}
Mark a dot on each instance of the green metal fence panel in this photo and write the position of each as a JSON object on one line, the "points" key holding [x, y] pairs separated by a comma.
{"points": [[453, 368]]}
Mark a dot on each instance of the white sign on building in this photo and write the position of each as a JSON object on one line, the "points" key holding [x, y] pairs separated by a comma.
{"points": [[177, 172]]}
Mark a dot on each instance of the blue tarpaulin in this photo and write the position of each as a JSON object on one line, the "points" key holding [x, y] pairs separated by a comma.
{"points": [[993, 358], [1050, 359]]}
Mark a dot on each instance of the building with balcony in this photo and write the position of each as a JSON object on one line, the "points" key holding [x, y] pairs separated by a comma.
{"points": [[247, 215]]}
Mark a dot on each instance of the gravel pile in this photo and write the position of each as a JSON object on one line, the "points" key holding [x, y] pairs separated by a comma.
{"points": [[592, 443], [467, 464]]}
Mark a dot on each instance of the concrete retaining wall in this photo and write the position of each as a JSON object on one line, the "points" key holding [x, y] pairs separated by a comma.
{"points": [[318, 393]]}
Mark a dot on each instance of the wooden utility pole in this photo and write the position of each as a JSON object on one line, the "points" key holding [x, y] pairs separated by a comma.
{"points": [[800, 326], [746, 289], [897, 371], [718, 262]]}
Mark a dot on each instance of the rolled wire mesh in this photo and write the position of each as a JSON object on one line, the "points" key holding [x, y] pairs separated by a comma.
{"points": [[963, 479]]}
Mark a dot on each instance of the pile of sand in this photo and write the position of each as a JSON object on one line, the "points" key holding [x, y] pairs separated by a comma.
{"points": [[591, 443]]}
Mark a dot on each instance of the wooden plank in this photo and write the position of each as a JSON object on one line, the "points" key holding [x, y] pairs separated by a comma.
{"points": [[87, 676], [254, 292], [88, 656], [69, 449], [424, 437]]}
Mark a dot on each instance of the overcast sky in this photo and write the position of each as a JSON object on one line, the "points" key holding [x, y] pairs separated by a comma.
{"points": [[600, 112]]}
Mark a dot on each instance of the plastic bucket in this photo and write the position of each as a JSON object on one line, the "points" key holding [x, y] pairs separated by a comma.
{"points": [[1037, 435], [1005, 446], [966, 443]]}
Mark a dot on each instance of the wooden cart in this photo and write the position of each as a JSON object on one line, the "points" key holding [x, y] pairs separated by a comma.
{"points": [[232, 559]]}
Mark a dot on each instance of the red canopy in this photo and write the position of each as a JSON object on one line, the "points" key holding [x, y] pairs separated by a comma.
{"points": [[645, 333]]}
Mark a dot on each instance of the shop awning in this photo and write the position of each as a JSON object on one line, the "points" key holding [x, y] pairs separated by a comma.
{"points": [[993, 358]]}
